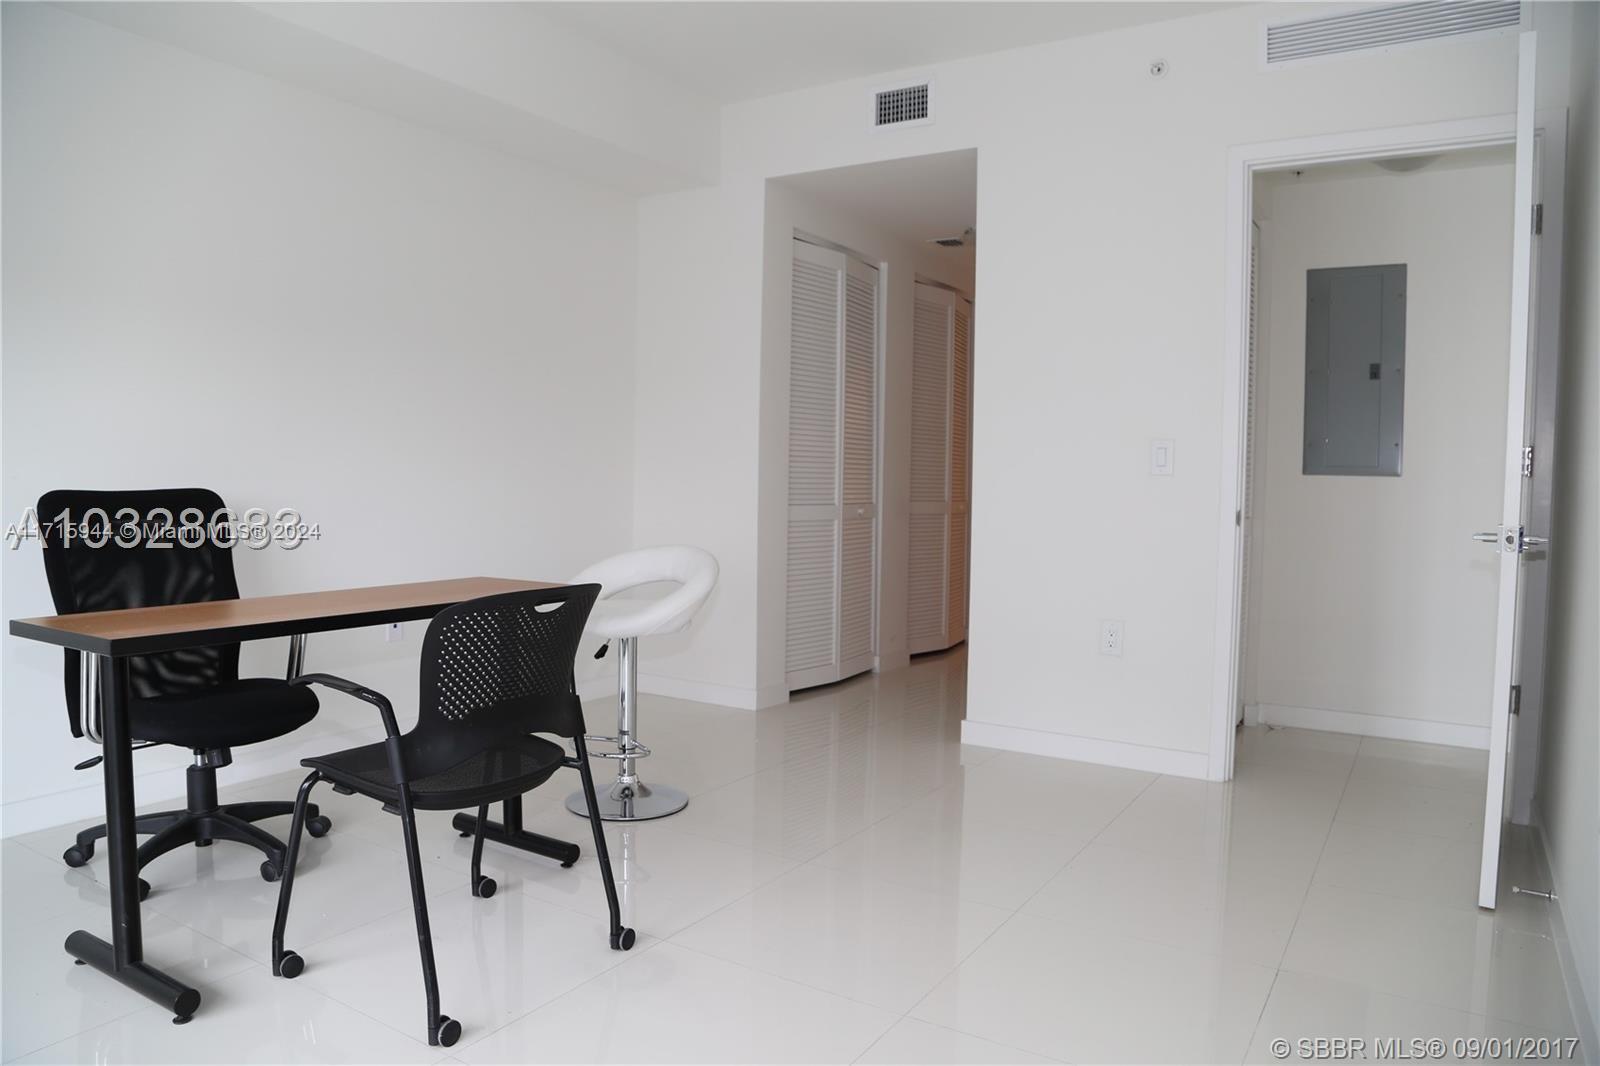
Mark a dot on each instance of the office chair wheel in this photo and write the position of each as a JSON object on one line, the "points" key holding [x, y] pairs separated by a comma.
{"points": [[622, 941], [270, 871], [291, 965], [144, 890], [484, 888], [76, 856], [319, 826], [449, 1030]]}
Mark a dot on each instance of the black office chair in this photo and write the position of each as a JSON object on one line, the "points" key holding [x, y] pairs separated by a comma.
{"points": [[495, 671], [195, 698]]}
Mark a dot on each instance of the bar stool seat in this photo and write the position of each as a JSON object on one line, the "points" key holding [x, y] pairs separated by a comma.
{"points": [[623, 620]]}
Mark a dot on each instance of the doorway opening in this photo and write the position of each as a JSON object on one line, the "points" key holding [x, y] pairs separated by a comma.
{"points": [[875, 280], [1353, 597]]}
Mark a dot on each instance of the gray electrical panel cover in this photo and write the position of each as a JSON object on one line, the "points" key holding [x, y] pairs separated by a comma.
{"points": [[1355, 370]]}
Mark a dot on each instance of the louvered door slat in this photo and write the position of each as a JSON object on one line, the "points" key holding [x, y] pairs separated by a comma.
{"points": [[814, 385], [928, 571], [960, 457], [930, 431], [856, 595], [860, 389], [812, 635]]}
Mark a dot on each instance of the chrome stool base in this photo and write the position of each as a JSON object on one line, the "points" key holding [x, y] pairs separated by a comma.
{"points": [[639, 803], [628, 799]]}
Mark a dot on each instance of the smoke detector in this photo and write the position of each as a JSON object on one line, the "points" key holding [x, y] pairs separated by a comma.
{"points": [[968, 236]]}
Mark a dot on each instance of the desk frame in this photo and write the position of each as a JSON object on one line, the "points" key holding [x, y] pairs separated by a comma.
{"points": [[116, 635]]}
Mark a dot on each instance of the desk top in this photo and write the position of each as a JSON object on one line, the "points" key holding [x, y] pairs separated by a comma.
{"points": [[146, 630]]}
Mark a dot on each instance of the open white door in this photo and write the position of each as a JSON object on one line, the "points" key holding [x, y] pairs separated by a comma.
{"points": [[1510, 539]]}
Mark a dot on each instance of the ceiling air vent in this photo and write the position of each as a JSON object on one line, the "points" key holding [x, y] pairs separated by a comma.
{"points": [[1386, 26], [903, 105]]}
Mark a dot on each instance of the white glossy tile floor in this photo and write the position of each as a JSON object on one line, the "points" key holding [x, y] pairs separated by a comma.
{"points": [[848, 884]]}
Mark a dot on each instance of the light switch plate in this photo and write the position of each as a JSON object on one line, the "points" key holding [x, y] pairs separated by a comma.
{"points": [[1161, 458]]}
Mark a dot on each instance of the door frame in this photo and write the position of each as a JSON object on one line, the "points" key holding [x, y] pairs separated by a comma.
{"points": [[1244, 162]]}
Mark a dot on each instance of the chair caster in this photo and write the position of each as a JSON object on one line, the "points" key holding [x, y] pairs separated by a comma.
{"points": [[144, 890], [622, 941], [449, 1030], [270, 871], [484, 888], [319, 826], [76, 856], [291, 965]]}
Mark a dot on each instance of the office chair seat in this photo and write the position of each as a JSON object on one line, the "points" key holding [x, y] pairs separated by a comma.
{"points": [[231, 714], [505, 770]]}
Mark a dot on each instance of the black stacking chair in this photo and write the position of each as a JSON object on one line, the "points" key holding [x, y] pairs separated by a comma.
{"points": [[194, 699], [495, 671]]}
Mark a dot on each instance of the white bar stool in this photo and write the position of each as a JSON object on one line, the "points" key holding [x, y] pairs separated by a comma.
{"points": [[623, 622]]}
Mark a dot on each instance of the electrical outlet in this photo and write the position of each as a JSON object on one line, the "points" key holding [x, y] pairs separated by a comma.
{"points": [[394, 631], [1110, 637]]}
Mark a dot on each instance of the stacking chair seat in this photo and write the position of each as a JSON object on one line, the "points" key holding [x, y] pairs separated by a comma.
{"points": [[499, 773]]}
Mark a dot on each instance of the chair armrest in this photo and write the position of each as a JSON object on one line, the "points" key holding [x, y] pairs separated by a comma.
{"points": [[360, 692]]}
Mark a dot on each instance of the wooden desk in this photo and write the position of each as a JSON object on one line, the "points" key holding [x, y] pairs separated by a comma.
{"points": [[115, 635]]}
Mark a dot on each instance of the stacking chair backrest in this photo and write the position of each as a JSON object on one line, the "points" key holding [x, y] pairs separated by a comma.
{"points": [[495, 668]]}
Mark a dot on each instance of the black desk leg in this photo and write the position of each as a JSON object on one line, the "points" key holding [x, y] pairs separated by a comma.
{"points": [[123, 958], [510, 833]]}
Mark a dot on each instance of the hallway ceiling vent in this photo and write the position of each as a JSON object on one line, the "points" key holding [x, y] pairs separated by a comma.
{"points": [[1386, 26], [903, 105]]}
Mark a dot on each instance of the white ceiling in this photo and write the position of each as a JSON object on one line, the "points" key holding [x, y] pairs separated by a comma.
{"points": [[915, 199], [739, 51]]}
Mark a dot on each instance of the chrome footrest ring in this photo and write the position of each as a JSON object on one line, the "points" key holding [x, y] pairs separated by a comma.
{"points": [[635, 750]]}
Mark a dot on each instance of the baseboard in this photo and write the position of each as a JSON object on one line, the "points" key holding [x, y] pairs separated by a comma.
{"points": [[744, 699], [1582, 1016], [1084, 749], [1372, 725]]}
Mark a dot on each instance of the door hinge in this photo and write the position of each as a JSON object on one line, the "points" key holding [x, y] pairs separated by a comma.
{"points": [[1538, 219], [1516, 699], [1527, 461]]}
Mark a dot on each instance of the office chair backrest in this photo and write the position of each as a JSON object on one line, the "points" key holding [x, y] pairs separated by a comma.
{"points": [[87, 575], [494, 668]]}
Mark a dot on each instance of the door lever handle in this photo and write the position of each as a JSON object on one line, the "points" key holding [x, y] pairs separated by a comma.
{"points": [[1491, 537]]}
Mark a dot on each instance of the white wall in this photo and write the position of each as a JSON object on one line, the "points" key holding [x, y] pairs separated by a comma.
{"points": [[1568, 804], [1370, 598], [1101, 199], [213, 278]]}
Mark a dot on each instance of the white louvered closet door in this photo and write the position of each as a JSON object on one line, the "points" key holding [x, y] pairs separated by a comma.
{"points": [[960, 466], [833, 405], [941, 378]]}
